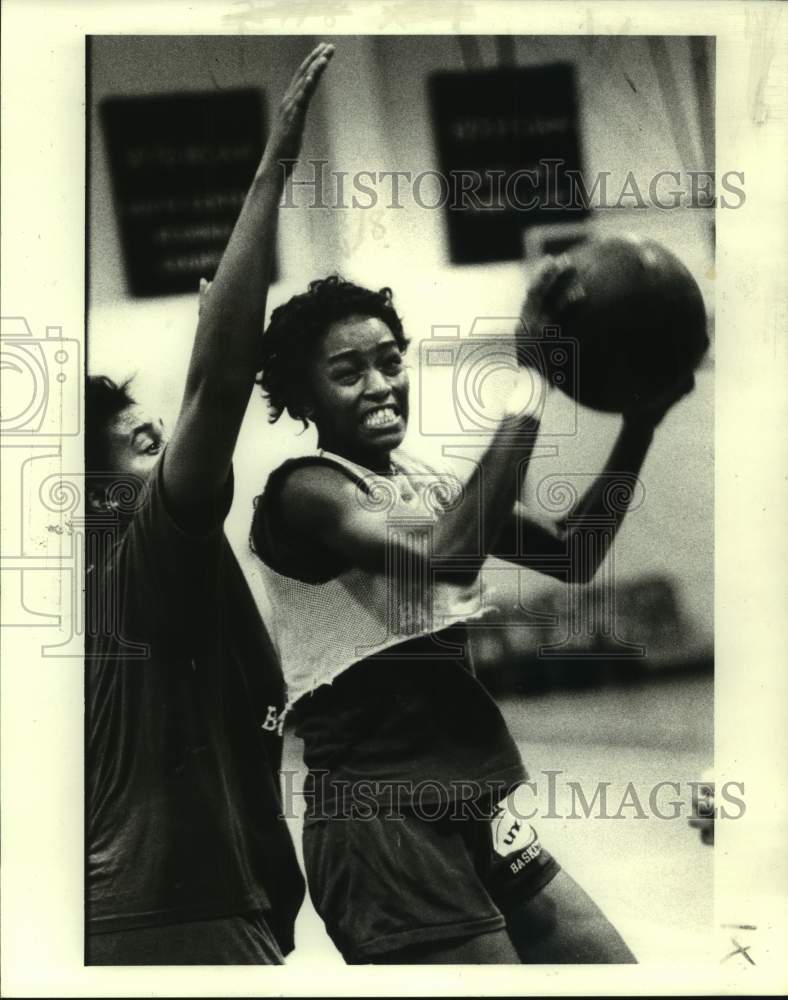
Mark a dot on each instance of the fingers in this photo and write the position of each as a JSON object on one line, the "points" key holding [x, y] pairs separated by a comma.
{"points": [[654, 411], [284, 143], [310, 70], [684, 388], [314, 73], [305, 82], [205, 287], [553, 276], [316, 52], [565, 291], [526, 399], [546, 270], [554, 289], [312, 55]]}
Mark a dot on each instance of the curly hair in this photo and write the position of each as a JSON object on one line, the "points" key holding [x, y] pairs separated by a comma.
{"points": [[104, 400], [297, 326]]}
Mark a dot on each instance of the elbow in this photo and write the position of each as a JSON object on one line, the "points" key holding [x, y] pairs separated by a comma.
{"points": [[456, 559], [584, 566], [460, 576], [581, 569], [579, 575]]}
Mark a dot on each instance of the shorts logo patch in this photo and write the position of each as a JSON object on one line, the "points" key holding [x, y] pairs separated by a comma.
{"points": [[513, 835]]}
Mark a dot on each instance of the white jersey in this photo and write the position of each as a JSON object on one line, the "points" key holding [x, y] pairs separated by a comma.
{"points": [[322, 628]]}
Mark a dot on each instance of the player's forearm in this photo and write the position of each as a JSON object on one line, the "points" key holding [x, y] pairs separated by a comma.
{"points": [[620, 472], [493, 490], [590, 527], [225, 355], [471, 529], [226, 348]]}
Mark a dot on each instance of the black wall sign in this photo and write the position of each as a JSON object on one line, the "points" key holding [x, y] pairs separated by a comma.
{"points": [[181, 165], [498, 124]]}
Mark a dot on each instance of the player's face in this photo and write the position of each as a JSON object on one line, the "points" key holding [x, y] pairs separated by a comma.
{"points": [[136, 440], [359, 390]]}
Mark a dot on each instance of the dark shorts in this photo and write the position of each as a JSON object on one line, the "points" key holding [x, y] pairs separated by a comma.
{"points": [[244, 939], [385, 883]]}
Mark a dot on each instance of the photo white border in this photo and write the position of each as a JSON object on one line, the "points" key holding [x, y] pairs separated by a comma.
{"points": [[43, 162]]}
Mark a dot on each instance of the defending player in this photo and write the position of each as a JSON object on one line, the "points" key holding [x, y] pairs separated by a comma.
{"points": [[187, 860], [366, 555]]}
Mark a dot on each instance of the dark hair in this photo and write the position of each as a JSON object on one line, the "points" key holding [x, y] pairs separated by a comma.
{"points": [[299, 324], [104, 400]]}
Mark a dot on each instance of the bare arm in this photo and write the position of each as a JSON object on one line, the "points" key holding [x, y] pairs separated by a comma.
{"points": [[574, 548], [224, 358], [324, 504]]}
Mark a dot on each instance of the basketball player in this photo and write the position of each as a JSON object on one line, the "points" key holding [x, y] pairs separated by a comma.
{"points": [[382, 692], [188, 860]]}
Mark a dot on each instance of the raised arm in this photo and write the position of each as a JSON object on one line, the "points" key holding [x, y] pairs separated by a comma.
{"points": [[574, 548], [224, 358]]}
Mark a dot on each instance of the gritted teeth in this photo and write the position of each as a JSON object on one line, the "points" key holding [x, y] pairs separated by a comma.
{"points": [[381, 417]]}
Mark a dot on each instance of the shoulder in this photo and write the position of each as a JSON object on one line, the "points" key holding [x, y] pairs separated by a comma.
{"points": [[153, 536], [301, 500], [309, 483]]}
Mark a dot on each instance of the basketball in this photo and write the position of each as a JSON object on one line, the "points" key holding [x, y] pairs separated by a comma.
{"points": [[637, 331]]}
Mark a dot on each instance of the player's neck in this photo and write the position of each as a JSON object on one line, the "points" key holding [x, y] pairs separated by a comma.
{"points": [[376, 461]]}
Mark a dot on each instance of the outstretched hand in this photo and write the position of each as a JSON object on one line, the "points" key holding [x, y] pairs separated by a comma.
{"points": [[554, 291], [205, 287], [652, 411], [284, 143], [554, 288], [226, 350]]}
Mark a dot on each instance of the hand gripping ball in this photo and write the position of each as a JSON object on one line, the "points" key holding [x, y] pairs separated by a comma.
{"points": [[637, 328]]}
